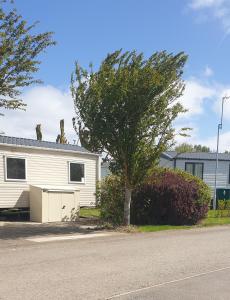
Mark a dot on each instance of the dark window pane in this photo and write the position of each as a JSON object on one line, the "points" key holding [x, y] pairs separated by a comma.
{"points": [[76, 172], [195, 169], [16, 168], [198, 171], [189, 168]]}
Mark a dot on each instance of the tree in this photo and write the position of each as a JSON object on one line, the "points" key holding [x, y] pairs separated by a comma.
{"points": [[200, 148], [61, 137], [19, 50], [127, 108], [39, 132], [185, 147]]}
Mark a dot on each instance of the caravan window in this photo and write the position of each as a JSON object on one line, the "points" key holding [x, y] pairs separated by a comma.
{"points": [[15, 168], [195, 169], [76, 172]]}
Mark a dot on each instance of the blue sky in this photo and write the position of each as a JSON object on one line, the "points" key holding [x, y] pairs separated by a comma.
{"points": [[87, 30]]}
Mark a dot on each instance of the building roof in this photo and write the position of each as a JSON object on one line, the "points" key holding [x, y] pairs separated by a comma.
{"points": [[197, 155], [23, 142]]}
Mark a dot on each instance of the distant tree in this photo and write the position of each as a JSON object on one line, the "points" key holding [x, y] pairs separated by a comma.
{"points": [[61, 137], [127, 109], [39, 132], [185, 147], [19, 50], [200, 148]]}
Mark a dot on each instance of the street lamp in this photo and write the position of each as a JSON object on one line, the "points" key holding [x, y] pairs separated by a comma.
{"points": [[217, 148]]}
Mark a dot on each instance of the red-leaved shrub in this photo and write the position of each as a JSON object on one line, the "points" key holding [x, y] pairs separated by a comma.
{"points": [[170, 197]]}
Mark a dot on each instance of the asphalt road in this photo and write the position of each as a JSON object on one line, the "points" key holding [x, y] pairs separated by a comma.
{"points": [[184, 264]]}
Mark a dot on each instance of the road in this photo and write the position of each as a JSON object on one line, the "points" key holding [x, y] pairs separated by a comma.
{"points": [[182, 264]]}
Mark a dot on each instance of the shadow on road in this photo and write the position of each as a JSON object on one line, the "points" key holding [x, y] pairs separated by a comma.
{"points": [[18, 230]]}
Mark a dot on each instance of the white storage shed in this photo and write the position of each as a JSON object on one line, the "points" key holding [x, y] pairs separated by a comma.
{"points": [[53, 204]]}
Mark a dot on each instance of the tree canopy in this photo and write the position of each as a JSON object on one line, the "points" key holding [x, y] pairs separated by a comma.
{"points": [[127, 108], [19, 50], [185, 147]]}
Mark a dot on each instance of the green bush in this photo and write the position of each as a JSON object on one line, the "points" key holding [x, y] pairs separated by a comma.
{"points": [[223, 208], [167, 197], [110, 199], [170, 197], [221, 204]]}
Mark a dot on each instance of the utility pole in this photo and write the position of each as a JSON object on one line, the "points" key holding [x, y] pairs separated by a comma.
{"points": [[2, 132], [217, 150]]}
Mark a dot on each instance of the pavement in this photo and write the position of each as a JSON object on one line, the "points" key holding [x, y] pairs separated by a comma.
{"points": [[182, 264]]}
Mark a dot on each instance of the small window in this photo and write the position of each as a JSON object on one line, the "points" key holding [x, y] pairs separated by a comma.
{"points": [[76, 172], [195, 169], [15, 168]]}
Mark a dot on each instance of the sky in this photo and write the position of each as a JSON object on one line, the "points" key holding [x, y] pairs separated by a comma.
{"points": [[85, 31]]}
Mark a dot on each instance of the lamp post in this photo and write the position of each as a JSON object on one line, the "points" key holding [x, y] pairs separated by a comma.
{"points": [[217, 149], [1, 132]]}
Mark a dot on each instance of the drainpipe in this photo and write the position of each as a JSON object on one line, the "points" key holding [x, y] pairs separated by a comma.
{"points": [[174, 163]]}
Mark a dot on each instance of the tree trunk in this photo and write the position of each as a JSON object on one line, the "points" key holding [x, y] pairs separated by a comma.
{"points": [[127, 203]]}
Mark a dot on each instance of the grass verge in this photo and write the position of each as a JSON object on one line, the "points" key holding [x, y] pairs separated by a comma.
{"points": [[86, 212], [153, 228], [214, 218]]}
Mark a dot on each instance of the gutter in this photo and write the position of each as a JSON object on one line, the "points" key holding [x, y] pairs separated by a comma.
{"points": [[48, 149]]}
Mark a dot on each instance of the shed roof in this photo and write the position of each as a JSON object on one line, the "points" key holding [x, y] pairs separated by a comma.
{"points": [[198, 155], [16, 141]]}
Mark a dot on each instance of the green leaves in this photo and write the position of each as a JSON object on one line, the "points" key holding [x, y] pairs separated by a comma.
{"points": [[127, 108], [19, 49]]}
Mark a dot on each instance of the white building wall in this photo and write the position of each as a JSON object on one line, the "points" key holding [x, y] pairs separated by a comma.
{"points": [[165, 163], [105, 170], [46, 168]]}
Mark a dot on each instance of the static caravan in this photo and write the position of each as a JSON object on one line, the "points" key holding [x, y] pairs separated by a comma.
{"points": [[203, 165], [26, 162], [200, 164]]}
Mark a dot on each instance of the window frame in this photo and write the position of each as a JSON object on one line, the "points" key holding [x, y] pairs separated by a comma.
{"points": [[5, 165], [80, 163], [193, 168]]}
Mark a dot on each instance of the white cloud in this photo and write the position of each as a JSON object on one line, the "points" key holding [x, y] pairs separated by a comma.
{"points": [[195, 139], [198, 4], [208, 72], [46, 105], [224, 142], [197, 97], [217, 9], [194, 97]]}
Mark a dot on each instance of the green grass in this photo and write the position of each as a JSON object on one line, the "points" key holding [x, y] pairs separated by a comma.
{"points": [[214, 218], [218, 217], [152, 228], [89, 212]]}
